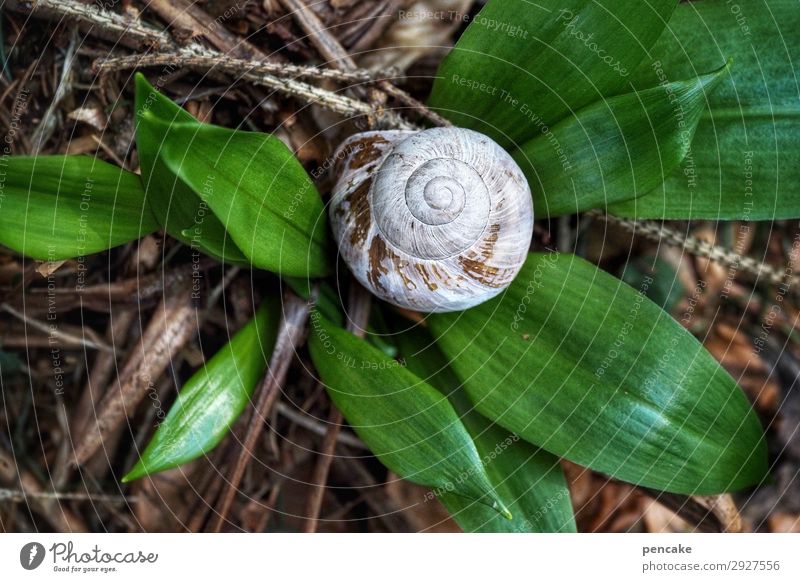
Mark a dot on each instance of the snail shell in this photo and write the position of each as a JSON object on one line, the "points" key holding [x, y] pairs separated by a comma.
{"points": [[435, 220]]}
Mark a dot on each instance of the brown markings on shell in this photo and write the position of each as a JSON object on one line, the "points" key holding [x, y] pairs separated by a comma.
{"points": [[480, 271], [477, 267], [368, 150], [360, 212], [441, 274], [426, 277], [377, 253], [399, 267], [487, 247]]}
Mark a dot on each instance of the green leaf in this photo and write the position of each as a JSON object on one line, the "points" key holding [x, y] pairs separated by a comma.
{"points": [[253, 185], [578, 363], [257, 188], [745, 160], [616, 149], [406, 423], [658, 280], [213, 398], [528, 478], [522, 66], [178, 209], [60, 207]]}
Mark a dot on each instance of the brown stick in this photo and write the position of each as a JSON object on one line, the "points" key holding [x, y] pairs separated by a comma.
{"points": [[658, 232], [290, 334], [102, 23], [62, 520], [706, 514], [189, 19], [237, 66], [338, 57], [168, 331]]}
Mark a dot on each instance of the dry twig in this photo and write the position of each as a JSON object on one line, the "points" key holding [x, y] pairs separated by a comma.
{"points": [[169, 330], [290, 334]]}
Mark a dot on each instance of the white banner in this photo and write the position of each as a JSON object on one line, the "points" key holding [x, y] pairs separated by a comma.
{"points": [[353, 557]]}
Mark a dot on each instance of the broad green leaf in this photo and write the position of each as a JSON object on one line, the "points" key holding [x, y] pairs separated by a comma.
{"points": [[529, 479], [522, 66], [578, 363], [745, 161], [257, 188], [616, 149], [406, 423], [178, 209], [213, 398], [657, 279], [60, 207], [237, 195]]}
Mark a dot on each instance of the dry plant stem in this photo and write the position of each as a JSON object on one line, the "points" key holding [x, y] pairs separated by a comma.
{"points": [[20, 495], [325, 43], [188, 20], [706, 514], [96, 21], [321, 470], [207, 61], [169, 330], [331, 50], [105, 24], [381, 21], [316, 427], [660, 233], [72, 341], [256, 74], [33, 494], [359, 302], [290, 335]]}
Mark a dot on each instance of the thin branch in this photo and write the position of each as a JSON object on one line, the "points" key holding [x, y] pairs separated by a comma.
{"points": [[54, 333], [317, 427], [658, 232], [96, 21], [167, 333], [290, 333], [20, 495], [206, 61]]}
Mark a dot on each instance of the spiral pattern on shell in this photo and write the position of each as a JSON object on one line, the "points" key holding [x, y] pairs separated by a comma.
{"points": [[435, 220]]}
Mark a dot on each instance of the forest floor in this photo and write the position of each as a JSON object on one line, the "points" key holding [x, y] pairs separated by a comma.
{"points": [[67, 88]]}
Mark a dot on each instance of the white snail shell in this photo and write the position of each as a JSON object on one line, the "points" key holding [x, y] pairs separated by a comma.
{"points": [[435, 220]]}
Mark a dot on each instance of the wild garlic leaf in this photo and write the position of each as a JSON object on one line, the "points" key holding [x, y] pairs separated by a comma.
{"points": [[407, 424], [616, 149], [579, 363], [60, 207], [213, 398], [521, 67], [259, 191], [528, 478], [179, 210], [745, 161]]}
